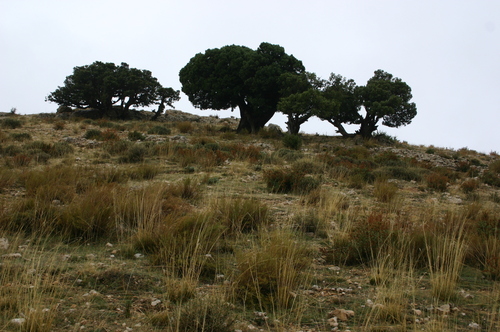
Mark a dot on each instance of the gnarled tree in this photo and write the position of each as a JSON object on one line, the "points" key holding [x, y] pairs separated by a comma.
{"points": [[237, 76], [105, 86]]}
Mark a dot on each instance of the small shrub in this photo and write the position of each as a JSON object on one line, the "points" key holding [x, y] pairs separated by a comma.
{"points": [[293, 142], [359, 177], [59, 125], [136, 136], [270, 271], [491, 178], [385, 191], [109, 135], [437, 181], [144, 172], [367, 237], [469, 185], [135, 154], [241, 215], [207, 314], [21, 137], [10, 123], [159, 130], [21, 160], [288, 181], [185, 127], [93, 134], [288, 155], [389, 158], [399, 173]]}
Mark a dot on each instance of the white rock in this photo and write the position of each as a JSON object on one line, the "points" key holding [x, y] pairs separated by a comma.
{"points": [[13, 255], [138, 256], [18, 321], [4, 243], [474, 326], [109, 244], [155, 303]]}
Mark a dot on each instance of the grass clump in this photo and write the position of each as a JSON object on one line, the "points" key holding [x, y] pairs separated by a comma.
{"points": [[11, 123], [21, 137], [93, 134], [159, 130], [293, 142], [272, 270], [280, 180]]}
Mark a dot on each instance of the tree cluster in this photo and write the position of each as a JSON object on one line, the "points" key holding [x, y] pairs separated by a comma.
{"points": [[106, 86], [268, 80], [258, 82]]}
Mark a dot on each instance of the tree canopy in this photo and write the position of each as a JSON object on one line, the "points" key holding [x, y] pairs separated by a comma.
{"points": [[385, 98], [237, 76], [339, 101], [104, 86]]}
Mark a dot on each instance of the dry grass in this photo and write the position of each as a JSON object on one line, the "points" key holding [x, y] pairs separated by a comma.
{"points": [[216, 231]]}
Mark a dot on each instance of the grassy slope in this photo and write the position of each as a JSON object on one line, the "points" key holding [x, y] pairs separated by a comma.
{"points": [[111, 228]]}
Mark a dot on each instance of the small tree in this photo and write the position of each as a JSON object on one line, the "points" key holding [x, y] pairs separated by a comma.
{"points": [[344, 104], [303, 99], [103, 86], [385, 98]]}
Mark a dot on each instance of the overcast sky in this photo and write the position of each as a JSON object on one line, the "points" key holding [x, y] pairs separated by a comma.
{"points": [[447, 51]]}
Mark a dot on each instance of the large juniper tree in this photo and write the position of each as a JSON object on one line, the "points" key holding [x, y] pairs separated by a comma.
{"points": [[104, 86], [237, 76]]}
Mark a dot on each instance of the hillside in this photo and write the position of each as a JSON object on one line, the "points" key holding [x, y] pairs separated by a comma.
{"points": [[184, 225]]}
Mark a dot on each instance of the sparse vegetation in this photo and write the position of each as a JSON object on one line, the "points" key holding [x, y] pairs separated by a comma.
{"points": [[211, 230]]}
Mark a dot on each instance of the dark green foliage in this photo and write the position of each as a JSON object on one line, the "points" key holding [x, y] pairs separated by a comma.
{"points": [[289, 181], [10, 123], [400, 173], [93, 134], [20, 137], [437, 181], [159, 130], [135, 154], [101, 86], [385, 98], [136, 136], [237, 76], [293, 142]]}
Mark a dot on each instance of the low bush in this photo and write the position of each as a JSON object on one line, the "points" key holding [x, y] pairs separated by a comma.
{"points": [[272, 270], [21, 137], [135, 154], [11, 123], [241, 215], [159, 130], [288, 181], [185, 127], [136, 136], [385, 191], [469, 185], [437, 181], [208, 314], [293, 142], [400, 173], [93, 134]]}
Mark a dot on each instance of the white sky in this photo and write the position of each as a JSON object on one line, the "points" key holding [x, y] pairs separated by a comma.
{"points": [[448, 51]]}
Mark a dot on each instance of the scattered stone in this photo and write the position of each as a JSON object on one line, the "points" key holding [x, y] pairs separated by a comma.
{"points": [[155, 302], [4, 243], [444, 309], [13, 255], [341, 314], [65, 257], [90, 256], [466, 295], [109, 244], [138, 255], [417, 312], [18, 321], [474, 326]]}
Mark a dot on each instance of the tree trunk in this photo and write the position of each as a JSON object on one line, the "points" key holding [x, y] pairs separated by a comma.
{"points": [[368, 126], [251, 121], [340, 129]]}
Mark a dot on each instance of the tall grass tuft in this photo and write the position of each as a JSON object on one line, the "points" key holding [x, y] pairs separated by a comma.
{"points": [[445, 254], [271, 271]]}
